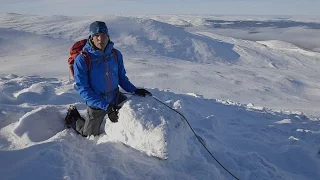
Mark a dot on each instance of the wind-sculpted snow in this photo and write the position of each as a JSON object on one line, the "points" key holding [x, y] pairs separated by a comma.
{"points": [[35, 90], [150, 127], [40, 124]]}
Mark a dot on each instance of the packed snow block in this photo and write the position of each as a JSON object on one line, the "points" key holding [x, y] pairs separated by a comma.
{"points": [[149, 126], [40, 124]]}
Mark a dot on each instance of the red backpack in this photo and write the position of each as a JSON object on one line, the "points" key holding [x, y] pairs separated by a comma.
{"points": [[76, 49]]}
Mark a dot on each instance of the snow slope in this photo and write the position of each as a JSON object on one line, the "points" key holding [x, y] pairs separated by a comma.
{"points": [[253, 103]]}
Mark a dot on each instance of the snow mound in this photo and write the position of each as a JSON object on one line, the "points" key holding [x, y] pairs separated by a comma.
{"points": [[40, 124], [148, 126], [41, 91]]}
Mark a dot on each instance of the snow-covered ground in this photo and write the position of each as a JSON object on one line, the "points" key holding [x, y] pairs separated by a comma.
{"points": [[254, 103]]}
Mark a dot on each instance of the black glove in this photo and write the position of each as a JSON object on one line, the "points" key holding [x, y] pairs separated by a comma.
{"points": [[112, 112], [142, 92]]}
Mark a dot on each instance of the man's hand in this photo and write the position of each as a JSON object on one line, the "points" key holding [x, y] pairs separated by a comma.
{"points": [[142, 92], [112, 112]]}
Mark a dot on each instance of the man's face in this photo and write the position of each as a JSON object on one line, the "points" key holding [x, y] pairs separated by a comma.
{"points": [[100, 40]]}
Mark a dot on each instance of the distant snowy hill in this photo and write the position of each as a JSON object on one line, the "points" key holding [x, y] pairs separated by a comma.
{"points": [[302, 31], [253, 103], [133, 35]]}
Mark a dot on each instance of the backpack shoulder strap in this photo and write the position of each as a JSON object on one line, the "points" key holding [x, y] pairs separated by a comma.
{"points": [[115, 54], [87, 59]]}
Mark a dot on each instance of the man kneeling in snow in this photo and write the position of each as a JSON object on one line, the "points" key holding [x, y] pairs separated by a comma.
{"points": [[99, 86]]}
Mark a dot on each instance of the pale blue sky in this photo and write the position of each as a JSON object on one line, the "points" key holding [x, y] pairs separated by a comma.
{"points": [[224, 7]]}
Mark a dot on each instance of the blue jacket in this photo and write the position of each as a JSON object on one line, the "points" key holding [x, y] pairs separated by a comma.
{"points": [[98, 87]]}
